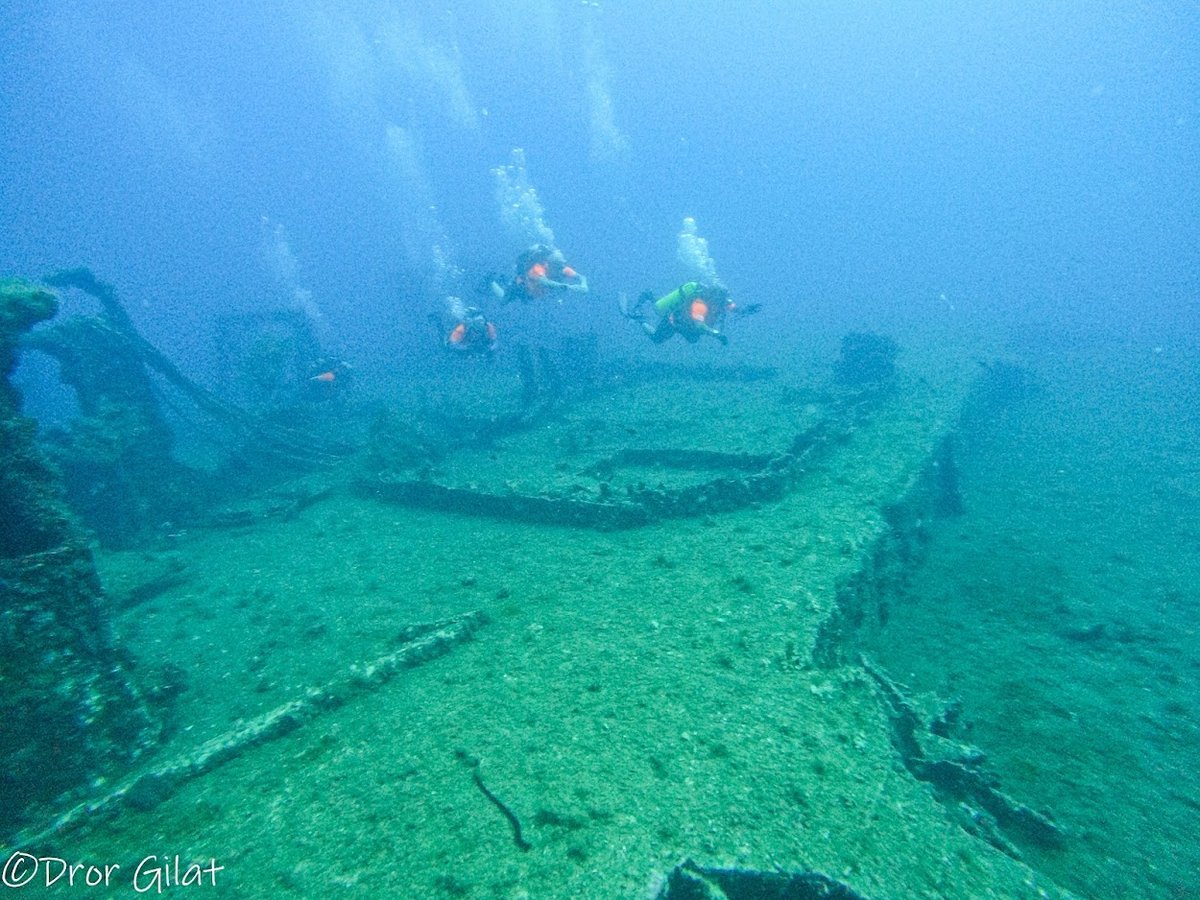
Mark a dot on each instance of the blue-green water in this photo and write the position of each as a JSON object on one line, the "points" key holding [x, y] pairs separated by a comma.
{"points": [[684, 565]]}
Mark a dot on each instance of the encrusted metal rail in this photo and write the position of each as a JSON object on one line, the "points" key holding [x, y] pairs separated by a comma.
{"points": [[145, 790]]}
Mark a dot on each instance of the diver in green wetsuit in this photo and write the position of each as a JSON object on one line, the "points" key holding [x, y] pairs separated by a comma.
{"points": [[691, 310]]}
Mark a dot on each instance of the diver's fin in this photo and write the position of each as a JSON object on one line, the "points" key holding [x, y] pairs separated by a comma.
{"points": [[634, 312]]}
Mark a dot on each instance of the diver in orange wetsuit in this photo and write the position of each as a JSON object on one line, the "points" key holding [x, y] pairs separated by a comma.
{"points": [[691, 310], [541, 271], [473, 333]]}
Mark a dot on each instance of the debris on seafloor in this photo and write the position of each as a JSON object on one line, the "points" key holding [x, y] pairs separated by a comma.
{"points": [[514, 822], [953, 770], [689, 881]]}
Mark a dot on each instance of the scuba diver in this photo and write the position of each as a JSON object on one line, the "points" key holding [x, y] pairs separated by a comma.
{"points": [[328, 377], [329, 369], [472, 333], [691, 310], [540, 271]]}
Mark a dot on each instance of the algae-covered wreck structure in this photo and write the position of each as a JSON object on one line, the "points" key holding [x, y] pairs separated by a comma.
{"points": [[598, 643], [72, 714]]}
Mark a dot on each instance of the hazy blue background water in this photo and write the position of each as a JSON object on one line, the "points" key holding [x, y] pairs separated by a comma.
{"points": [[840, 157]]}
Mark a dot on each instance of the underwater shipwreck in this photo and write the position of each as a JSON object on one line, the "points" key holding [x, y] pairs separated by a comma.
{"points": [[598, 633]]}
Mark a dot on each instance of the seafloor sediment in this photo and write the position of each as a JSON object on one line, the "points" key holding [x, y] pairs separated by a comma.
{"points": [[640, 695]]}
